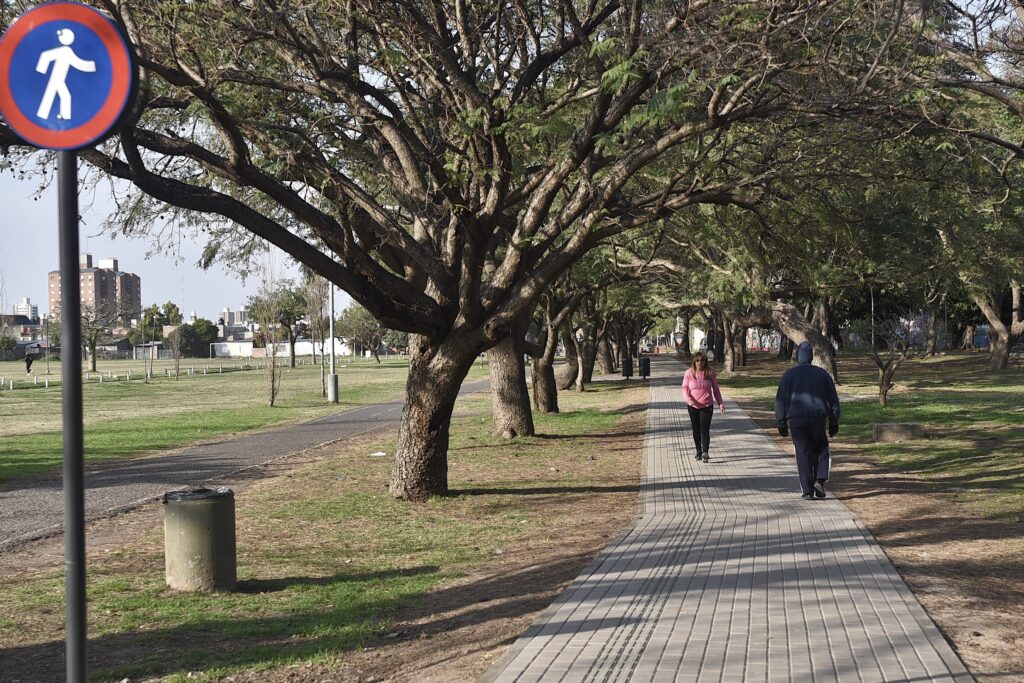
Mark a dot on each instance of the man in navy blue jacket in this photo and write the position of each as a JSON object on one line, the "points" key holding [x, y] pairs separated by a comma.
{"points": [[805, 405]]}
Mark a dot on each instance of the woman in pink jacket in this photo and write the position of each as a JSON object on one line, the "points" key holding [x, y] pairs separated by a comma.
{"points": [[700, 391]]}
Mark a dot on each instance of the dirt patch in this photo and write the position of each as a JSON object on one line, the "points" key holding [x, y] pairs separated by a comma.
{"points": [[967, 570]]}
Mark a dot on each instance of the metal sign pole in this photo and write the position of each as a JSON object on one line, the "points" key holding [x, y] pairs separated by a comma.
{"points": [[38, 51], [71, 390]]}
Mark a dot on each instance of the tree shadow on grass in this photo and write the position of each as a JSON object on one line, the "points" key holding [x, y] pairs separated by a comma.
{"points": [[603, 437], [275, 585], [214, 639], [542, 490]]}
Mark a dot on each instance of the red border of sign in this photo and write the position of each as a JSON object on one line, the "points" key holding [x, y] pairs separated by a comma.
{"points": [[122, 76]]}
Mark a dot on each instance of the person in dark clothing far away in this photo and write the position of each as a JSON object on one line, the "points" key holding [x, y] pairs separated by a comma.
{"points": [[700, 391], [28, 362], [806, 404]]}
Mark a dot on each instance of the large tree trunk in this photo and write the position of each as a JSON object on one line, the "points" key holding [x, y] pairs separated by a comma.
{"points": [[510, 406], [728, 344], [967, 340], [785, 347], [566, 375], [619, 345], [545, 389], [92, 357], [933, 297], [739, 345], [589, 353], [998, 348], [291, 349], [684, 348], [795, 326], [1000, 333], [436, 372], [605, 359], [931, 343], [824, 319], [581, 364]]}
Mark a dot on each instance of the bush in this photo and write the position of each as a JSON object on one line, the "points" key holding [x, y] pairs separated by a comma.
{"points": [[8, 343]]}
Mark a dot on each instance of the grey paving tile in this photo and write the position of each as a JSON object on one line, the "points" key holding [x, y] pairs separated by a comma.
{"points": [[729, 575]]}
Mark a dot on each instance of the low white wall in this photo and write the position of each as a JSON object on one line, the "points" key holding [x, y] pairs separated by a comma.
{"points": [[244, 349]]}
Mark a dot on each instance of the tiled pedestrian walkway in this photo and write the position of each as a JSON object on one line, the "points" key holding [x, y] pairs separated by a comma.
{"points": [[728, 575]]}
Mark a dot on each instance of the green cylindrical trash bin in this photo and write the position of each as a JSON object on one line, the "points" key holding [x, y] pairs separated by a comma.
{"points": [[199, 539]]}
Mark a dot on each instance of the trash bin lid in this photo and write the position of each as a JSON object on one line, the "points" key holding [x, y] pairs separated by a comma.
{"points": [[197, 494]]}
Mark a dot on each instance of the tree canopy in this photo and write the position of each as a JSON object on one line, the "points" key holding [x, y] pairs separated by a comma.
{"points": [[447, 163]]}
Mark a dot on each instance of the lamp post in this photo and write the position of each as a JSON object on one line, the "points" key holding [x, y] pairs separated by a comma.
{"points": [[872, 289], [332, 379]]}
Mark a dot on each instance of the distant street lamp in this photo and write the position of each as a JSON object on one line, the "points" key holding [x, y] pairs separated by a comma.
{"points": [[152, 360], [46, 333], [332, 379], [872, 290]]}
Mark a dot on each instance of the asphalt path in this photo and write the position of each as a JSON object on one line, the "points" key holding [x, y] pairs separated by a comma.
{"points": [[33, 508]]}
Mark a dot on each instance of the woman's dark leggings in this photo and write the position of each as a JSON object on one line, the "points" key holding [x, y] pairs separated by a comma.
{"points": [[700, 421]]}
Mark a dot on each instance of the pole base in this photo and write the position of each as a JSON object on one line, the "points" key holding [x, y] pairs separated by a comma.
{"points": [[332, 388]]}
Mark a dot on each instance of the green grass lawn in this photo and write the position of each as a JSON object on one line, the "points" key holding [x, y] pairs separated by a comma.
{"points": [[125, 418], [972, 417], [326, 556]]}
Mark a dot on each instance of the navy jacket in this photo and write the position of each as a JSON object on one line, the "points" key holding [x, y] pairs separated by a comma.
{"points": [[806, 392]]}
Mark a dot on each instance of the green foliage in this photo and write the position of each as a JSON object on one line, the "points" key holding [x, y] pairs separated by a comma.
{"points": [[152, 323], [282, 306], [394, 339], [357, 326], [8, 343], [172, 314], [205, 333], [195, 338], [620, 74]]}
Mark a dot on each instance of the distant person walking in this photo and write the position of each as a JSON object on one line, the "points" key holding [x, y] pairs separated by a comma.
{"points": [[29, 358], [700, 391], [806, 404]]}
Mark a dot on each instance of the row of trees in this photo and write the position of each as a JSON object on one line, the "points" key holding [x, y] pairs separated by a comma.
{"points": [[486, 176]]}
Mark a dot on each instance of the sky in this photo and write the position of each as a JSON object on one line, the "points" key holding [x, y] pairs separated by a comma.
{"points": [[29, 250]]}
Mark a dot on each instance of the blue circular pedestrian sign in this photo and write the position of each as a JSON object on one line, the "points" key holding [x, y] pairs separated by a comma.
{"points": [[67, 76]]}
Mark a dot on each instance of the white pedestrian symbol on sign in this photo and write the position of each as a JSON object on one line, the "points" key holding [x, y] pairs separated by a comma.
{"points": [[62, 58]]}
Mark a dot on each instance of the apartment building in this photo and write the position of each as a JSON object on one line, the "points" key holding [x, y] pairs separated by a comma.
{"points": [[26, 308], [107, 290]]}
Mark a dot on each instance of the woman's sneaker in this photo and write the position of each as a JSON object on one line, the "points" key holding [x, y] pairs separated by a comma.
{"points": [[819, 489], [707, 457], [697, 456]]}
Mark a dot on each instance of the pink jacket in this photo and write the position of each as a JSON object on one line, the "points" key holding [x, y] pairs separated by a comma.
{"points": [[700, 389]]}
